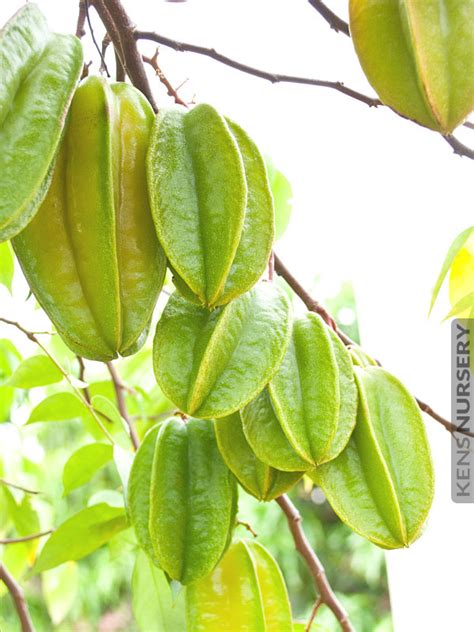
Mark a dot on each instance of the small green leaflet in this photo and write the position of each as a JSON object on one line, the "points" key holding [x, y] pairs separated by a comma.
{"points": [[35, 371], [80, 535], [7, 265], [58, 407], [84, 463], [467, 302], [154, 605], [59, 587], [9, 358], [454, 249]]}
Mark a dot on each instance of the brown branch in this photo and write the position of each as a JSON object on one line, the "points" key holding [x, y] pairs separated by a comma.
{"points": [[468, 124], [450, 427], [334, 21], [15, 486], [121, 31], [26, 538], [314, 306], [172, 92], [81, 20], [326, 594], [18, 597], [120, 389], [256, 72]]}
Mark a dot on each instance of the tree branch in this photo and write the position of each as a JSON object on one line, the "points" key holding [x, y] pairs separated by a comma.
{"points": [[18, 597], [256, 72], [326, 594], [121, 31], [26, 538], [314, 306], [120, 388], [172, 92], [334, 21]]}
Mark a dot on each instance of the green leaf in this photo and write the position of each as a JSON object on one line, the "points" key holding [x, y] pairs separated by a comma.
{"points": [[461, 306], [7, 395], [108, 496], [153, 604], [123, 460], [9, 358], [123, 542], [59, 587], [58, 407], [454, 249], [84, 463], [282, 197], [35, 371], [106, 407], [23, 514], [7, 265], [80, 535]]}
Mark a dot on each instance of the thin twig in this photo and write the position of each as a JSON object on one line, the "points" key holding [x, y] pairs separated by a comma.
{"points": [[334, 21], [99, 50], [18, 597], [256, 72], [326, 594], [314, 306], [26, 538], [20, 487], [32, 336], [468, 124], [172, 92], [314, 611], [248, 526], [120, 388]]}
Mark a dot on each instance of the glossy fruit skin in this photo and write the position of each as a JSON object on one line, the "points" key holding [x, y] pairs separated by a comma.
{"points": [[418, 56], [193, 500], [382, 484], [90, 255], [211, 363], [245, 593], [308, 412], [212, 205], [39, 72], [258, 479]]}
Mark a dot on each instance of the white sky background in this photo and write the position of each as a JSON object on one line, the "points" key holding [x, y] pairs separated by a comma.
{"points": [[377, 200]]}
